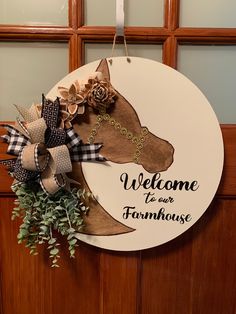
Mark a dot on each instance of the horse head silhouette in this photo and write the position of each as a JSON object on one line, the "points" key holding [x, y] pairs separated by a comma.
{"points": [[119, 127], [138, 144]]}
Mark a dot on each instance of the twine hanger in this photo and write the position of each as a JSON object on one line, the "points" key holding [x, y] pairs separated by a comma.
{"points": [[120, 18]]}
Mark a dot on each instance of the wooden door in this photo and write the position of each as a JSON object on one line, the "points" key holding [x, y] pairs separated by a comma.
{"points": [[194, 273]]}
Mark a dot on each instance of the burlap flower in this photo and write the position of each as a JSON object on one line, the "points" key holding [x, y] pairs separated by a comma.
{"points": [[99, 93], [72, 102]]}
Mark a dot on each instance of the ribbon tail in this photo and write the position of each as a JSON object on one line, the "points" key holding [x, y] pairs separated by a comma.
{"points": [[30, 114], [73, 139], [9, 163], [69, 181], [100, 158], [21, 128], [87, 152], [5, 138], [50, 111], [16, 140], [8, 127]]}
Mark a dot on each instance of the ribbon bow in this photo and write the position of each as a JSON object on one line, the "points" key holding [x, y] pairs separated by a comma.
{"points": [[44, 151]]}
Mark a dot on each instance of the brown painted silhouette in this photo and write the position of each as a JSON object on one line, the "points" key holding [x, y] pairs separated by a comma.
{"points": [[156, 154]]}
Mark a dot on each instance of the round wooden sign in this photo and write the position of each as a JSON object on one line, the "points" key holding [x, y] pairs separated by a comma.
{"points": [[163, 147]]}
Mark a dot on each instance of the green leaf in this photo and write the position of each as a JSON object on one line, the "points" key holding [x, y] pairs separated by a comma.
{"points": [[22, 233], [72, 252], [64, 219], [20, 192], [73, 241], [52, 241], [44, 229], [54, 251], [59, 208]]}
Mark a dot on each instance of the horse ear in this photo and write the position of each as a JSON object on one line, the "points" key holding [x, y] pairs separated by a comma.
{"points": [[103, 67]]}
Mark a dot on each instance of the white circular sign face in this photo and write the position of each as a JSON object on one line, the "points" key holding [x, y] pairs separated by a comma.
{"points": [[180, 161]]}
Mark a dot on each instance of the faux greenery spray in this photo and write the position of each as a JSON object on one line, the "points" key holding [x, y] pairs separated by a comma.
{"points": [[44, 214]]}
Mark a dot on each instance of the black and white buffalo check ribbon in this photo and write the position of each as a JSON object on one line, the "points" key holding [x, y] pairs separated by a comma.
{"points": [[15, 139], [86, 152], [82, 152]]}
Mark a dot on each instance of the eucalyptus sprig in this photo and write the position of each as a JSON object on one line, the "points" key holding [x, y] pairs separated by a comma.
{"points": [[44, 214]]}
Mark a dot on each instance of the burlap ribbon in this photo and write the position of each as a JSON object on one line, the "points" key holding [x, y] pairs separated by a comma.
{"points": [[45, 151]]}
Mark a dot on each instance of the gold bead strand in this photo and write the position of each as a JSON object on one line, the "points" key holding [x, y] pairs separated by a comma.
{"points": [[94, 130], [139, 144], [137, 140], [100, 118]]}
